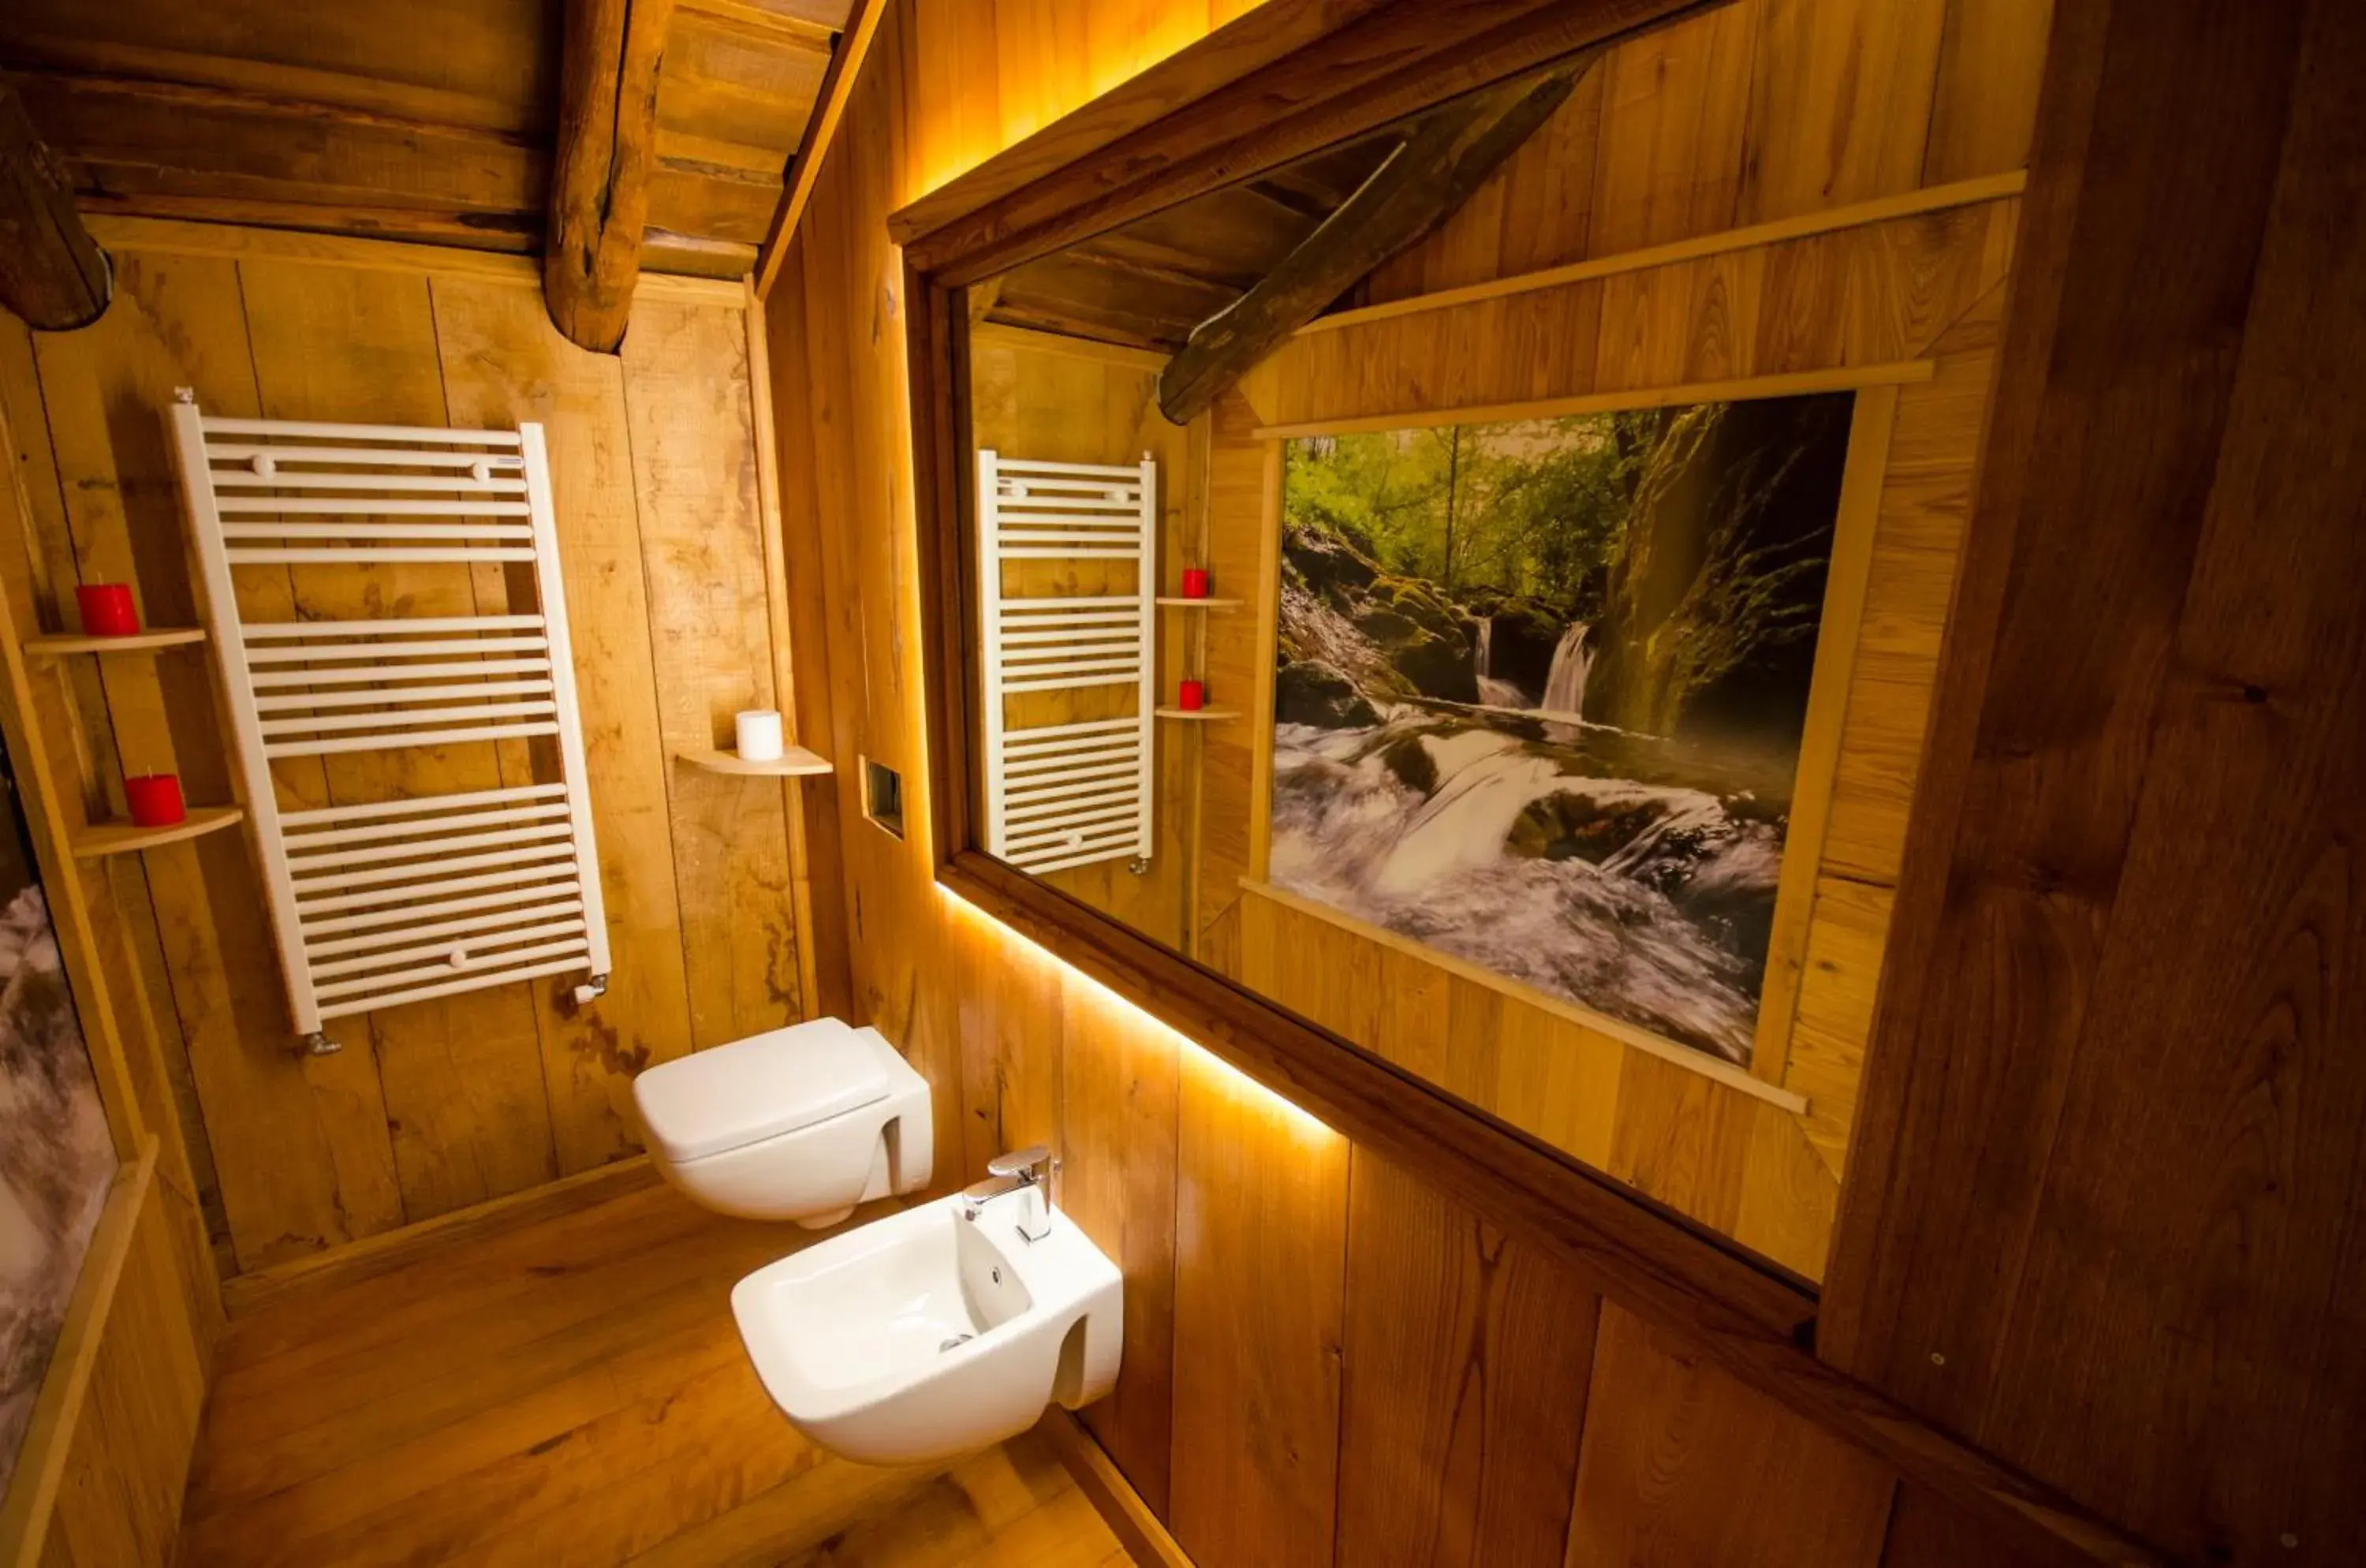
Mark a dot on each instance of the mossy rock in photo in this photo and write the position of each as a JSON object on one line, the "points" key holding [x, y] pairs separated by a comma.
{"points": [[1311, 692], [1440, 666], [1331, 567]]}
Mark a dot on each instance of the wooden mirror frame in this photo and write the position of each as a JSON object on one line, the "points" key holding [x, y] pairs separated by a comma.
{"points": [[1292, 78]]}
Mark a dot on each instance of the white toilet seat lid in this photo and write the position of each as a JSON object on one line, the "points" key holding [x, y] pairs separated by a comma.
{"points": [[758, 1088]]}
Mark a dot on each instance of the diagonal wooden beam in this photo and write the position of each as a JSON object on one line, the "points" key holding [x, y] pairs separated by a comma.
{"points": [[53, 273], [1442, 161], [607, 150], [829, 110]]}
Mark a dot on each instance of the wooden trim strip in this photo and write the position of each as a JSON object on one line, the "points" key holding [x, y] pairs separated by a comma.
{"points": [[390, 1251], [1908, 204], [54, 853], [1841, 378], [57, 1409], [1139, 1529], [804, 169], [1841, 627], [174, 236], [763, 432], [1740, 1079]]}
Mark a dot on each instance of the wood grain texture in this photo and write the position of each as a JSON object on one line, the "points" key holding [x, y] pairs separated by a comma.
{"points": [[1017, 1038], [1467, 1356], [1920, 284], [435, 122], [572, 1392], [607, 150], [2109, 1155], [126, 1441], [53, 275], [1684, 1467], [454, 1102], [690, 413], [1260, 1254], [1442, 161]]}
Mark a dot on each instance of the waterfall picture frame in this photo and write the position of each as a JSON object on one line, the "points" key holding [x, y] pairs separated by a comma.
{"points": [[1542, 693]]}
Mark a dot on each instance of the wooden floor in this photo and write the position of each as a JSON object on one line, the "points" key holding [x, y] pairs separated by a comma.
{"points": [[574, 1395]]}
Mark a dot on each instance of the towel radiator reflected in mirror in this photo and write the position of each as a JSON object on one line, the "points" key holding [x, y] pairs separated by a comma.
{"points": [[1072, 786]]}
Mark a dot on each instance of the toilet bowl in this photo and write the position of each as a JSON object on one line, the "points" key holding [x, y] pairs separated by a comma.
{"points": [[799, 1124]]}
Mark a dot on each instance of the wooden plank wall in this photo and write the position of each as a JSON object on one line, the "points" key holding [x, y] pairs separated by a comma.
{"points": [[1684, 134], [432, 1106], [2108, 1218], [1326, 1362]]}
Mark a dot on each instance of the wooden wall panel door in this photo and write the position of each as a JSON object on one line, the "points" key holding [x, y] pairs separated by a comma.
{"points": [[1466, 1359], [1260, 1254], [1683, 1467], [2106, 1216]]}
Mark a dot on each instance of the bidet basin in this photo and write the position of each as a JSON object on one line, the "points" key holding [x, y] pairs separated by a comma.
{"points": [[933, 1331]]}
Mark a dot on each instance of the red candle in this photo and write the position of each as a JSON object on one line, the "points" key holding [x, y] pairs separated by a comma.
{"points": [[107, 609], [155, 800], [1193, 697], [1195, 582]]}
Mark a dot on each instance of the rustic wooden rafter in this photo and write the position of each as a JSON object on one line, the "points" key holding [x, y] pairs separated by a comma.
{"points": [[1444, 158], [607, 152], [53, 273]]}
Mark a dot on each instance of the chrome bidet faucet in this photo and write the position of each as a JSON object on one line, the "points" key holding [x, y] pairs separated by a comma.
{"points": [[1025, 1174]]}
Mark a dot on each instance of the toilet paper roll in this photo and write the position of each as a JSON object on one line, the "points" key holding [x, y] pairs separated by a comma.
{"points": [[759, 735]]}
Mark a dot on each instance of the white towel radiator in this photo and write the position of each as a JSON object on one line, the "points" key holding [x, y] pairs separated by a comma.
{"points": [[377, 904], [1059, 795]]}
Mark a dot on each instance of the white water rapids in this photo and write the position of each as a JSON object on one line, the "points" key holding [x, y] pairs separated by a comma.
{"points": [[1638, 924]]}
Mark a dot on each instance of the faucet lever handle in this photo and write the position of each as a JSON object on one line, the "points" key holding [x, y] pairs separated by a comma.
{"points": [[1033, 1163]]}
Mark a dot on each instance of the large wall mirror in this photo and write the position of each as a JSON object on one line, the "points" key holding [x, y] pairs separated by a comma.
{"points": [[1455, 589]]}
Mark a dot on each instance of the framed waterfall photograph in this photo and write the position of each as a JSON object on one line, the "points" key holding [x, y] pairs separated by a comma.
{"points": [[1542, 689]]}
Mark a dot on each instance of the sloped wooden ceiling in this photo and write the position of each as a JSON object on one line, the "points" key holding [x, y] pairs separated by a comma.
{"points": [[422, 120]]}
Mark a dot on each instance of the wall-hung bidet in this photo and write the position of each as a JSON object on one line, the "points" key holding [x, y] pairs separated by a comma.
{"points": [[798, 1124], [939, 1330]]}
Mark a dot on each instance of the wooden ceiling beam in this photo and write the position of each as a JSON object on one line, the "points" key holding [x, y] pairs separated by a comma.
{"points": [[607, 153], [1443, 160], [53, 273]]}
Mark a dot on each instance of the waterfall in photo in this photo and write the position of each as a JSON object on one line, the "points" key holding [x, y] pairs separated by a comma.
{"points": [[1493, 693], [1584, 870], [1565, 687]]}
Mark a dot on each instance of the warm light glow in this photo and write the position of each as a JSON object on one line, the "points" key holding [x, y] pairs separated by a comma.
{"points": [[1302, 1122]]}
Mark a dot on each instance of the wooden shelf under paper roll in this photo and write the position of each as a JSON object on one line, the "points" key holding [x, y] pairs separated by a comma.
{"points": [[794, 763], [1203, 715]]}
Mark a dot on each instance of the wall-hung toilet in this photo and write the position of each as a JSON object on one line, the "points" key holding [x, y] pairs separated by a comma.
{"points": [[798, 1124]]}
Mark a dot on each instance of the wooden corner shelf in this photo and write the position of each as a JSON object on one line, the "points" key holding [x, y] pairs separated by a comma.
{"points": [[1177, 601], [795, 762], [1200, 716], [104, 839], [63, 644]]}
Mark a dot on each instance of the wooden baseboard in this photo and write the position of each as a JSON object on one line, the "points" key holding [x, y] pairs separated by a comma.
{"points": [[1141, 1532], [373, 1257]]}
